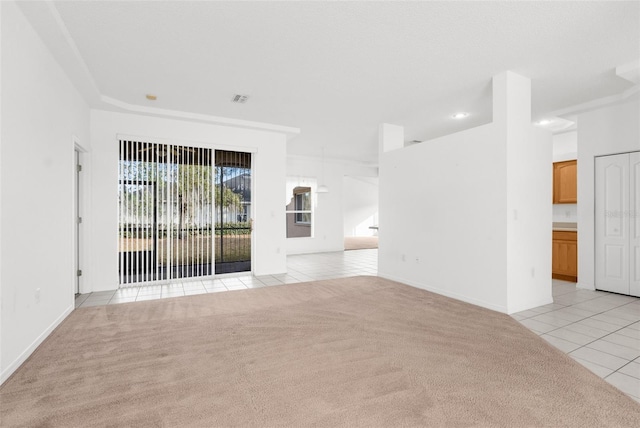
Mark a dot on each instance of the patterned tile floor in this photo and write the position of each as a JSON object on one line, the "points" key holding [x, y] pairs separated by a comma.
{"points": [[599, 330]]}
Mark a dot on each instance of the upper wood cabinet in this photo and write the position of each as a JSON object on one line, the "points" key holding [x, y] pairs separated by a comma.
{"points": [[565, 182]]}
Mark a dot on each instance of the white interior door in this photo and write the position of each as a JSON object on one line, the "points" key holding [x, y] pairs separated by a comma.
{"points": [[612, 223], [634, 223]]}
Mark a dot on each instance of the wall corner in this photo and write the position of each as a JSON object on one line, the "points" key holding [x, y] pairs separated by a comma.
{"points": [[390, 137]]}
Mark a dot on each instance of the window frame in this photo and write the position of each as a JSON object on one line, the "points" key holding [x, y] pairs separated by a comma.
{"points": [[298, 211], [300, 195]]}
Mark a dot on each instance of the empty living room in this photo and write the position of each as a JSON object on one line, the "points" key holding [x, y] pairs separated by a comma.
{"points": [[319, 213]]}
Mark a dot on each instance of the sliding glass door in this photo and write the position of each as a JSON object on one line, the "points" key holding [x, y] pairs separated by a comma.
{"points": [[181, 216]]}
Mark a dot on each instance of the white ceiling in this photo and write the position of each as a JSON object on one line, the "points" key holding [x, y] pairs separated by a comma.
{"points": [[338, 69]]}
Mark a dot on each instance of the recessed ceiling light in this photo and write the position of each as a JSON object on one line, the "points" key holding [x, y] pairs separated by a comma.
{"points": [[460, 115], [151, 97], [544, 122]]}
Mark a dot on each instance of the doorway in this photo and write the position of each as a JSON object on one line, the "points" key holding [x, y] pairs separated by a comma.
{"points": [[360, 208]]}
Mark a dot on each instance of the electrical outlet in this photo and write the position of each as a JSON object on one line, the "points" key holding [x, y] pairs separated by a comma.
{"points": [[37, 295], [403, 258]]}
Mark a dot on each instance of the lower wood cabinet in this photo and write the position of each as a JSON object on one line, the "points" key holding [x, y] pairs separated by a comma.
{"points": [[565, 256]]}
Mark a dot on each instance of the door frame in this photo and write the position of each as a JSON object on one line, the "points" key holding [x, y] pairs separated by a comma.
{"points": [[78, 209], [214, 146]]}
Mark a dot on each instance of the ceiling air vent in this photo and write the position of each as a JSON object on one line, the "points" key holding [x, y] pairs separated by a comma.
{"points": [[237, 98]]}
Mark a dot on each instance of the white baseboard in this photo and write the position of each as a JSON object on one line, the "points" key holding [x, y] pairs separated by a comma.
{"points": [[542, 302], [446, 293], [583, 286], [6, 373]]}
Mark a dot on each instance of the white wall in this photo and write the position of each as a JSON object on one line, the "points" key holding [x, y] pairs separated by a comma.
{"points": [[565, 213], [327, 221], [565, 147], [481, 224], [360, 205], [455, 241], [41, 111], [269, 242], [329, 216], [609, 130]]}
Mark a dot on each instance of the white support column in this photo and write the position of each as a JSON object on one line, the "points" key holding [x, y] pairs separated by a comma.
{"points": [[390, 137], [529, 208]]}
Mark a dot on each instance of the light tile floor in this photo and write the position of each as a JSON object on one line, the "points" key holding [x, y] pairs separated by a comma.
{"points": [[599, 330], [301, 268]]}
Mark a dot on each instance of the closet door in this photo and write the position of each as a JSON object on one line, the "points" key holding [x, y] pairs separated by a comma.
{"points": [[612, 223], [634, 223]]}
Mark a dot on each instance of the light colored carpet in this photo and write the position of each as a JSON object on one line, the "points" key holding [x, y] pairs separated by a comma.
{"points": [[358, 351], [360, 242]]}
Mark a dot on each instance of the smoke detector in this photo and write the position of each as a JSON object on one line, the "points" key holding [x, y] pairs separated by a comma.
{"points": [[238, 98]]}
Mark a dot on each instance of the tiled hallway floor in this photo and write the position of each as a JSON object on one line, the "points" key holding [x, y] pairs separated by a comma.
{"points": [[599, 330]]}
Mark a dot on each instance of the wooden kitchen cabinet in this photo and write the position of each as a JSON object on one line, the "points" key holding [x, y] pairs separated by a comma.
{"points": [[565, 182], [565, 256]]}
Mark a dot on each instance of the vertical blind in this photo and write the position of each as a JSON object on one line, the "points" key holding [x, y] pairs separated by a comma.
{"points": [[183, 212], [165, 228]]}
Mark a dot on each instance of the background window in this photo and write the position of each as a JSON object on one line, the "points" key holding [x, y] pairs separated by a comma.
{"points": [[303, 206], [299, 213]]}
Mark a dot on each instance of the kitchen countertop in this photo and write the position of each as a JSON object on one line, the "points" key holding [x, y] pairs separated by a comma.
{"points": [[565, 227]]}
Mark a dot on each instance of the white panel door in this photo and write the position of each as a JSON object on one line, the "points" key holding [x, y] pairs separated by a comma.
{"points": [[612, 223], [634, 223]]}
